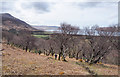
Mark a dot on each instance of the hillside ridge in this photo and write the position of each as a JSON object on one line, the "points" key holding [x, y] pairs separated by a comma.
{"points": [[11, 22]]}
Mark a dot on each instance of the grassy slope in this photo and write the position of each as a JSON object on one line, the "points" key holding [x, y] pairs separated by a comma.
{"points": [[16, 62]]}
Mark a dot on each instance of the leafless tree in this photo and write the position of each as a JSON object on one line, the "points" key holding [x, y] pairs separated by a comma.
{"points": [[8, 36], [97, 44], [63, 38]]}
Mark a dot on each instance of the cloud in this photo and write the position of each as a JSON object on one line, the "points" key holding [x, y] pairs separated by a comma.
{"points": [[88, 4], [40, 7], [54, 13], [6, 6], [84, 5]]}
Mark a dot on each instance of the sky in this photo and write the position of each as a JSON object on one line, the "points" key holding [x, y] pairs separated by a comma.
{"points": [[53, 13]]}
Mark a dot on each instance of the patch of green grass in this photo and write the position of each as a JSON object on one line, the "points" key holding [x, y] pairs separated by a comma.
{"points": [[48, 32], [41, 36]]}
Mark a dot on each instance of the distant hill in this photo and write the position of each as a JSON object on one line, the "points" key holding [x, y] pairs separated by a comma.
{"points": [[108, 29], [46, 28], [10, 22]]}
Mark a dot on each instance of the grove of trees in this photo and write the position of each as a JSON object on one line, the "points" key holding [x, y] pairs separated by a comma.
{"points": [[92, 47]]}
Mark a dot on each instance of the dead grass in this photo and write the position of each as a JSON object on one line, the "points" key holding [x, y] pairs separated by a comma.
{"points": [[19, 62], [102, 69]]}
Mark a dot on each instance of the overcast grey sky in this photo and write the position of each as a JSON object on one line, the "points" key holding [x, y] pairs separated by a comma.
{"points": [[55, 12]]}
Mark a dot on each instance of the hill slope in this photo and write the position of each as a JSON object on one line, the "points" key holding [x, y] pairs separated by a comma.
{"points": [[10, 22], [47, 28], [18, 62]]}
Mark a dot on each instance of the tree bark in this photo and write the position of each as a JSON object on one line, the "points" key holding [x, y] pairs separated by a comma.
{"points": [[26, 48], [59, 55]]}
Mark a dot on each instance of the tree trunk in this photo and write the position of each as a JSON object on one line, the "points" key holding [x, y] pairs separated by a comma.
{"points": [[29, 50], [59, 56], [23, 48], [69, 55], [64, 57], [26, 48], [73, 55], [77, 56], [61, 51], [52, 53]]}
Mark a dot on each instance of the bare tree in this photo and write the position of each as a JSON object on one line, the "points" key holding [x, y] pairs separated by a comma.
{"points": [[63, 38], [97, 44], [8, 36], [27, 40]]}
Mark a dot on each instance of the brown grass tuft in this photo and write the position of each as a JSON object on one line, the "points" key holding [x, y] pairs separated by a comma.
{"points": [[61, 73]]}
